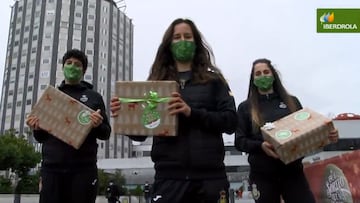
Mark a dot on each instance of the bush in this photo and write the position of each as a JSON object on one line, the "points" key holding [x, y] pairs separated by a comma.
{"points": [[5, 185]]}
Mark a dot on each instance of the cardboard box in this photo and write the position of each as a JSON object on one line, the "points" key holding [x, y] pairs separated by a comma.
{"points": [[63, 116], [335, 179], [299, 134], [144, 108]]}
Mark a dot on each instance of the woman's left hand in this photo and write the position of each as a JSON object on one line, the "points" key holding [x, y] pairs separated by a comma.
{"points": [[178, 105], [334, 136]]}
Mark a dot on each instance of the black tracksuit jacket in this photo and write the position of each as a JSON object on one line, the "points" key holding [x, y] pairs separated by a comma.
{"points": [[198, 150], [272, 108], [61, 157]]}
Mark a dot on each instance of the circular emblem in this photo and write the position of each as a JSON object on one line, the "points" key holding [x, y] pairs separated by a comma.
{"points": [[302, 116], [151, 119], [84, 117], [283, 134]]}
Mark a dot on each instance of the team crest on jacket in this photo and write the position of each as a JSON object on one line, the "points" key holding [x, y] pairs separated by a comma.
{"points": [[222, 198], [282, 105], [255, 192], [84, 98]]}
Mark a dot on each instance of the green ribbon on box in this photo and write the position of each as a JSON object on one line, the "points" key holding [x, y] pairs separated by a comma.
{"points": [[150, 118]]}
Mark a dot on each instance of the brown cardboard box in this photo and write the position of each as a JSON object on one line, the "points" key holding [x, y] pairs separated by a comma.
{"points": [[63, 116], [136, 117], [298, 134]]}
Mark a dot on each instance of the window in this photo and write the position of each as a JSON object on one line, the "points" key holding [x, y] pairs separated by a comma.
{"points": [[44, 74], [64, 24], [90, 40], [46, 48], [78, 15], [48, 35], [90, 28], [46, 61], [28, 102], [29, 88]]}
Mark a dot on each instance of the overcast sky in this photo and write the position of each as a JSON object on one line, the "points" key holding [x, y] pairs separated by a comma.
{"points": [[320, 69]]}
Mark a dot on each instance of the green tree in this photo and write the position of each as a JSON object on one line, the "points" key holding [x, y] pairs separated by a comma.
{"points": [[138, 191], [19, 156], [5, 185]]}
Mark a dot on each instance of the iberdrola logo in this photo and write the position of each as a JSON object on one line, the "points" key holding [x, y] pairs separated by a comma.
{"points": [[327, 17], [84, 117]]}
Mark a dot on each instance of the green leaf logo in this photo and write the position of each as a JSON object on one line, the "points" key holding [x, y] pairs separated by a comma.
{"points": [[84, 117], [301, 116], [283, 134]]}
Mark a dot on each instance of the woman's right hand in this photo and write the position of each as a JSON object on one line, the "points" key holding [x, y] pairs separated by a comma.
{"points": [[33, 122], [114, 106], [269, 149]]}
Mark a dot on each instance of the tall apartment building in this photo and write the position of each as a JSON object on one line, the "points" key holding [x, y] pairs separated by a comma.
{"points": [[40, 32]]}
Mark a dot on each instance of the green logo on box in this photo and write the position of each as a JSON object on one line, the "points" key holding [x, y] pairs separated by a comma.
{"points": [[301, 116], [283, 134], [335, 20], [84, 117]]}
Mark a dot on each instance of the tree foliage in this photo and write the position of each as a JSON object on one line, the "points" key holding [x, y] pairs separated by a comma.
{"points": [[18, 156]]}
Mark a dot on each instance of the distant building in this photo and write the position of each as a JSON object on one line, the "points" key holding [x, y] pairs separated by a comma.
{"points": [[41, 32]]}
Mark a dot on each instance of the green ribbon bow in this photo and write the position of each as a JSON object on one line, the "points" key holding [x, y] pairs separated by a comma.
{"points": [[151, 101]]}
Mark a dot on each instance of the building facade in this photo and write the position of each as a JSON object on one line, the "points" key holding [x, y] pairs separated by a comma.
{"points": [[40, 32]]}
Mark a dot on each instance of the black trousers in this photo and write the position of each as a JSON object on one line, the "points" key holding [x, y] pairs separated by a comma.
{"points": [[293, 188], [190, 191], [60, 187]]}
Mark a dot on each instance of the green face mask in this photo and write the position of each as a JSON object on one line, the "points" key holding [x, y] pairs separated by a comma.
{"points": [[264, 83], [72, 73], [183, 51]]}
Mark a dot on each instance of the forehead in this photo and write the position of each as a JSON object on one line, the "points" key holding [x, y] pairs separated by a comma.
{"points": [[74, 61], [182, 28], [261, 66]]}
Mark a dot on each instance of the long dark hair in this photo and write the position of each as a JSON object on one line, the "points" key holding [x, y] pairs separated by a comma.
{"points": [[164, 67], [253, 95]]}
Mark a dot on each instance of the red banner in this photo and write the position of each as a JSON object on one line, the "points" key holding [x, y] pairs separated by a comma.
{"points": [[336, 179]]}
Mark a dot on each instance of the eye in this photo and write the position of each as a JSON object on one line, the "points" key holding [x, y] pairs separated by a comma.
{"points": [[258, 73], [78, 64], [266, 72]]}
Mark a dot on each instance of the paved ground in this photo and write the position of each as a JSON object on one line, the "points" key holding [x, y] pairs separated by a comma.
{"points": [[99, 199], [35, 199]]}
